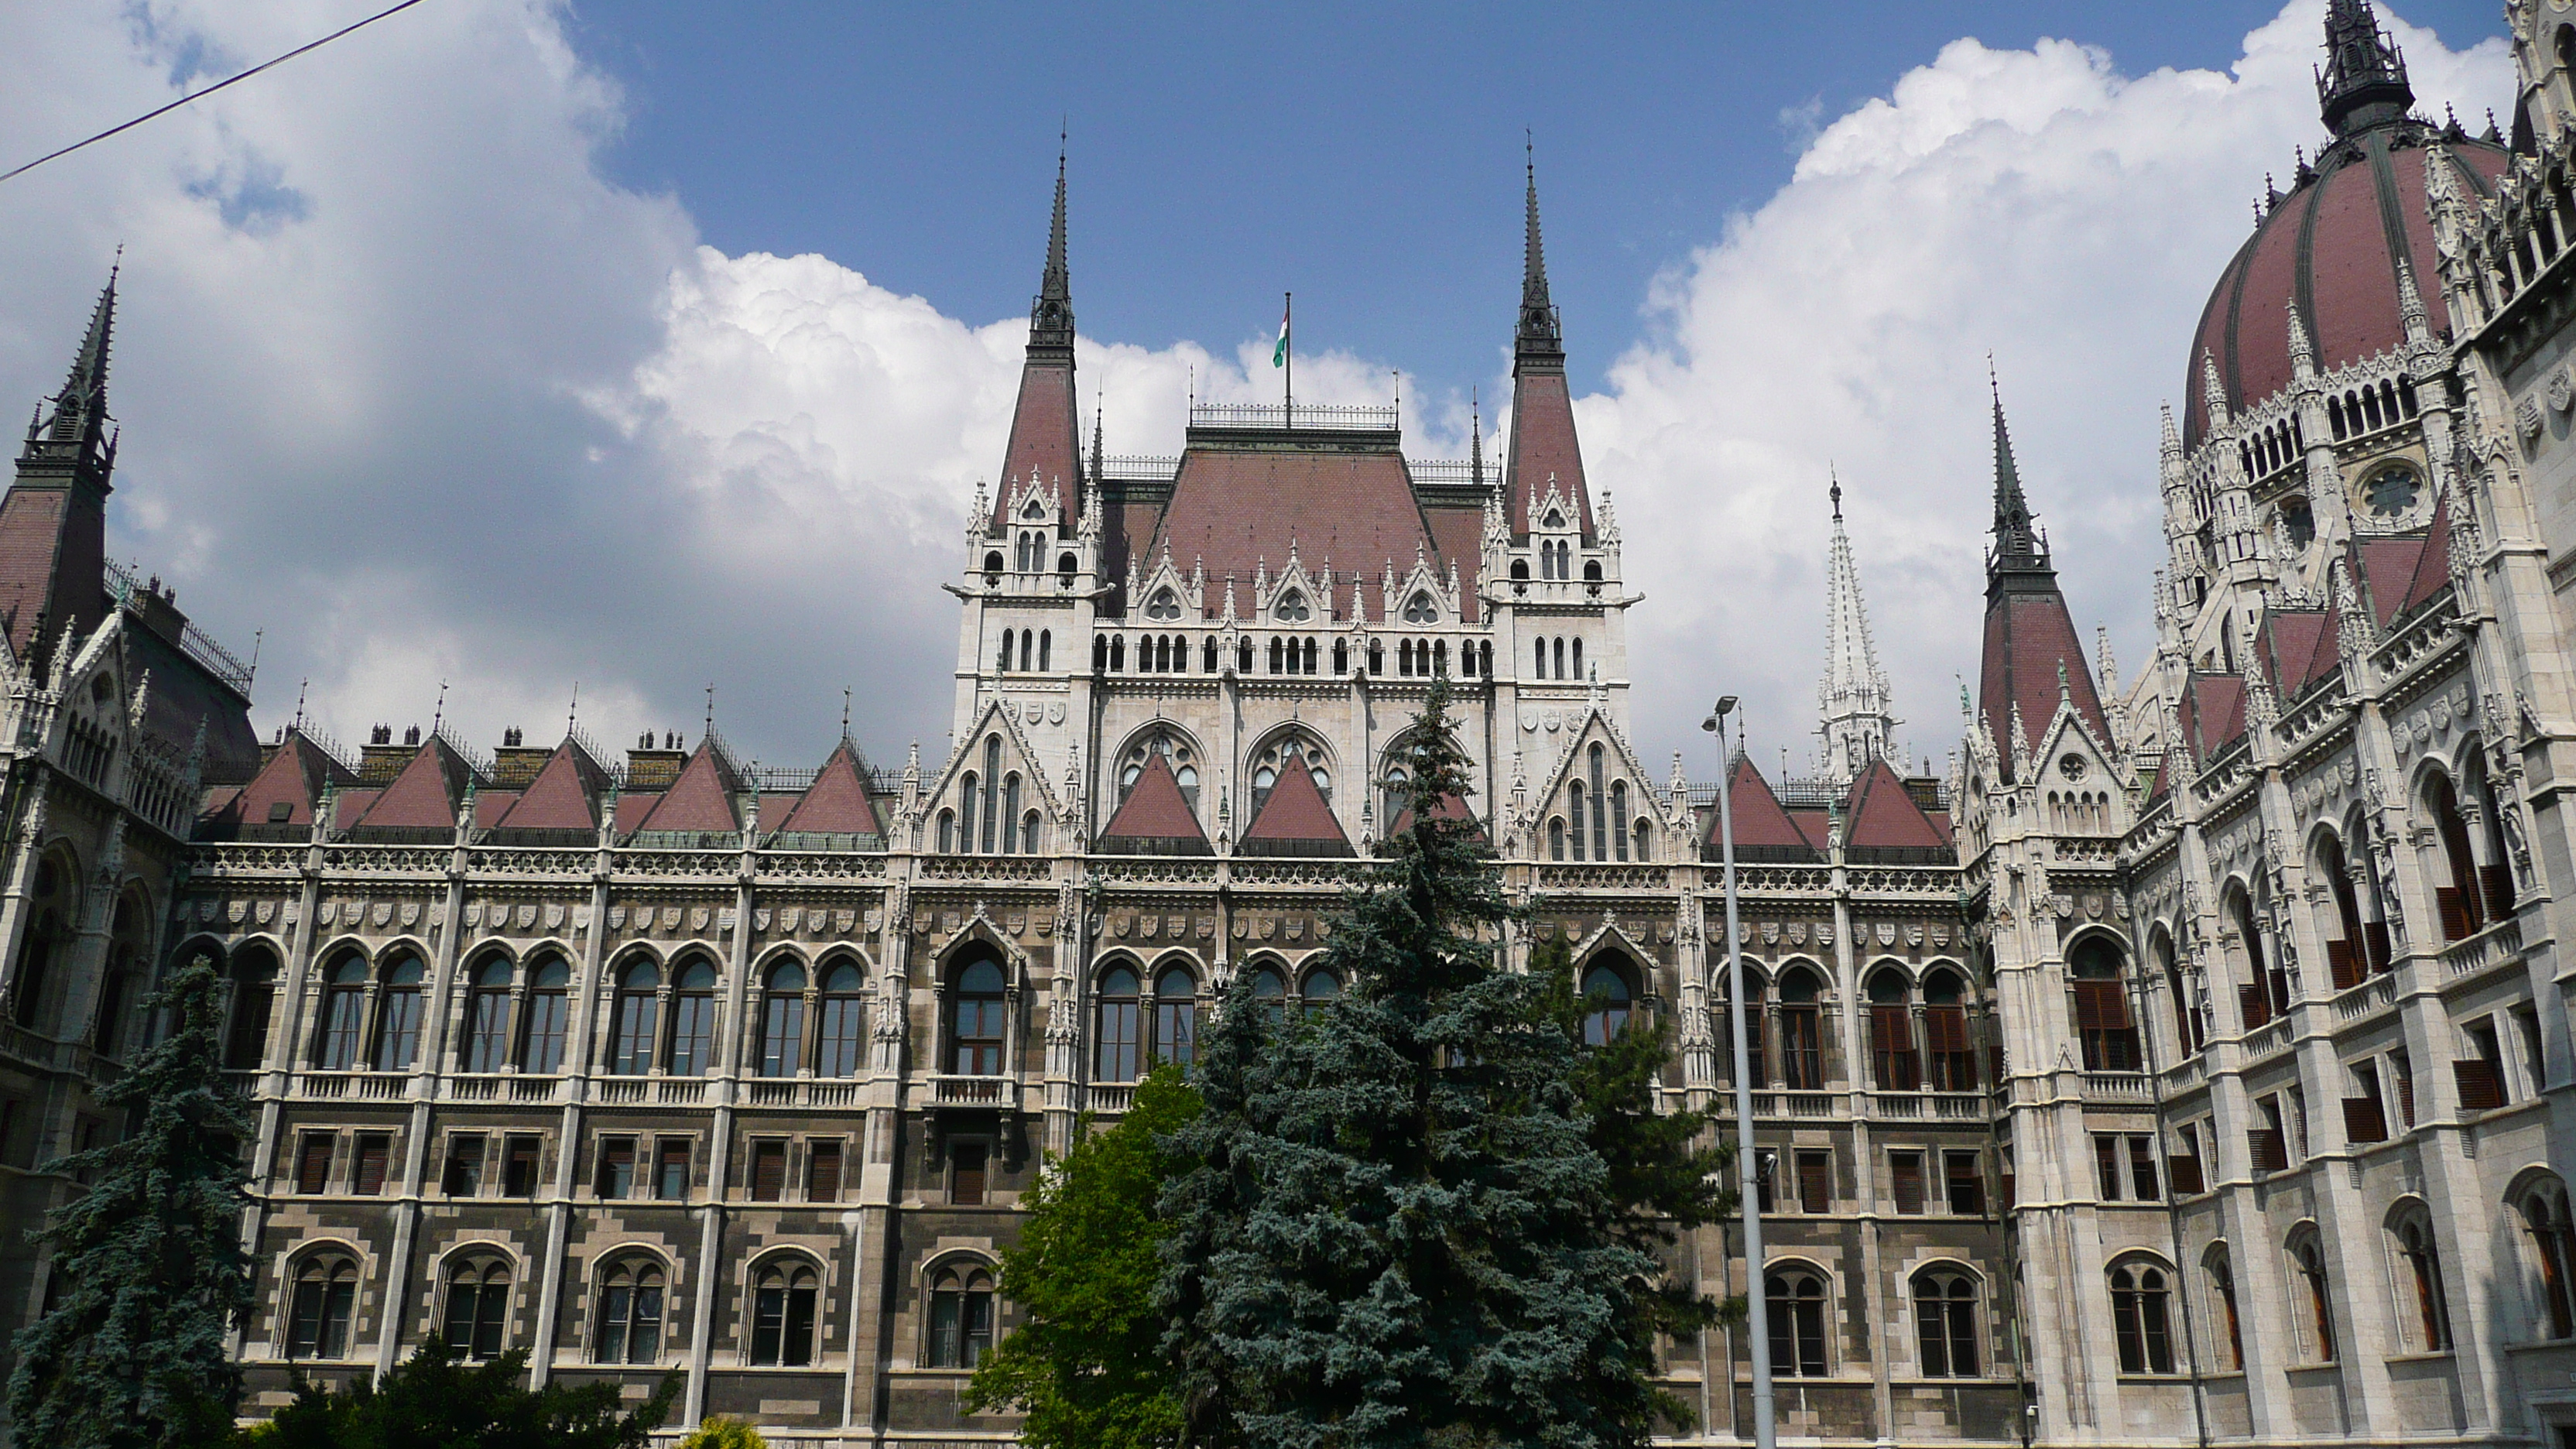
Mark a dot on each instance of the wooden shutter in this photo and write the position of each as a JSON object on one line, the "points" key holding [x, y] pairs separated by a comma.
{"points": [[1815, 1182], [373, 1149], [966, 1173], [2267, 1149], [2254, 1005], [2363, 1120], [1906, 1173], [2452, 905], [313, 1163], [823, 1172], [2480, 1091], [2343, 964], [2374, 940], [2106, 1165], [2498, 881], [2185, 1172], [1967, 1191], [616, 1166], [2101, 1006], [2142, 1170], [1945, 1028], [768, 1171], [1891, 1040]]}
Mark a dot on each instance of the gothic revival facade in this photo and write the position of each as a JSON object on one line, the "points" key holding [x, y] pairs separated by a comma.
{"points": [[2189, 1066]]}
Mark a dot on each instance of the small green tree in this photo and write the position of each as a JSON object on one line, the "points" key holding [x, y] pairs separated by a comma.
{"points": [[436, 1400], [721, 1432], [1391, 1230], [148, 1259], [1085, 1365]]}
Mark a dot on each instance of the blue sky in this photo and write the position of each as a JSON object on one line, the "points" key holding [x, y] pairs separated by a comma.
{"points": [[1367, 157], [513, 343]]}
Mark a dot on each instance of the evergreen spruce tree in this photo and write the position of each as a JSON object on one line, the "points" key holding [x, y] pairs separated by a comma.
{"points": [[1391, 1231], [149, 1258], [1085, 1365], [436, 1400]]}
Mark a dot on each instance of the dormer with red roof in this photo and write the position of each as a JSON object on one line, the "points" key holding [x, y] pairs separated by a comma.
{"points": [[561, 805], [279, 802], [1886, 825], [835, 812], [420, 806], [1293, 818], [1154, 819], [700, 810]]}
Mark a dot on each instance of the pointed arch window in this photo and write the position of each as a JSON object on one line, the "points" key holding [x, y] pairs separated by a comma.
{"points": [[254, 983], [633, 1020], [1891, 1031], [976, 1019], [782, 1021], [2462, 913], [1010, 811], [487, 1016], [2309, 1262], [2423, 1259], [841, 1041], [992, 767], [693, 1020], [1270, 994], [2141, 1319], [782, 1315], [398, 1016], [548, 1011], [1115, 1051], [1574, 810], [1578, 659], [1319, 988], [344, 1005], [1802, 1056], [2109, 1034], [630, 1314], [1607, 1001], [1945, 1324], [1176, 1017], [1795, 1299], [1619, 816], [961, 1316], [1945, 1033], [1601, 833], [326, 1293], [1556, 837], [478, 1307], [2222, 1284]]}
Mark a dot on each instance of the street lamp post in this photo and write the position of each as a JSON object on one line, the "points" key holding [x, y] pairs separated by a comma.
{"points": [[1765, 1433]]}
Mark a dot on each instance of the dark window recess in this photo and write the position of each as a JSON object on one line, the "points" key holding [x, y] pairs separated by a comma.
{"points": [[313, 1162], [1906, 1173], [464, 1176], [2255, 1005], [823, 1172], [368, 1177], [2106, 1166], [2363, 1120], [2110, 1038], [2269, 1152], [1966, 1186], [966, 1172], [2481, 1090], [1766, 1175], [2187, 1180], [616, 1167], [2142, 1169], [2344, 964], [2498, 881], [768, 1171], [2374, 942], [1815, 1181], [2459, 915], [671, 1168], [519, 1167]]}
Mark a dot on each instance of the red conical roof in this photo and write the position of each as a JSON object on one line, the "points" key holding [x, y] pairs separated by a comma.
{"points": [[837, 803], [1295, 815], [1760, 823], [564, 796], [425, 795], [1156, 811], [701, 799]]}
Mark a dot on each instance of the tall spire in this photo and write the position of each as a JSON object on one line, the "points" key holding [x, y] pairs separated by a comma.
{"points": [[1540, 336], [1051, 316], [1853, 697], [2018, 549], [80, 409], [53, 520], [2363, 83]]}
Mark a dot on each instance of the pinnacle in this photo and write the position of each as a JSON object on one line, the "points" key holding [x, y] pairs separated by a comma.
{"points": [[1538, 328]]}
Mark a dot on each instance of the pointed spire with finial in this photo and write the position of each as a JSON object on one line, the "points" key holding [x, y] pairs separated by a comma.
{"points": [[1051, 319], [1856, 724], [2017, 546], [1540, 334], [1045, 446], [80, 409], [2363, 83]]}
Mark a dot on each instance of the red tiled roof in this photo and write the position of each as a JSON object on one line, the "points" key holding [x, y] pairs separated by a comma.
{"points": [[1238, 509], [2028, 636], [1450, 807], [564, 796], [1816, 825], [353, 807], [491, 805], [1759, 821], [2328, 241], [837, 803], [1295, 812], [1543, 445], [294, 774], [2212, 713], [424, 796], [2433, 567], [2387, 572], [701, 800], [1044, 444], [1883, 814], [1459, 534], [2290, 643], [634, 807], [1155, 809]]}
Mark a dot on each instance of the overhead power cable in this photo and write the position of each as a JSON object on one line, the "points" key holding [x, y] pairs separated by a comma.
{"points": [[210, 90]]}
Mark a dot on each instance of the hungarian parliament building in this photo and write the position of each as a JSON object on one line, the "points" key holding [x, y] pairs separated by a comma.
{"points": [[2191, 1065]]}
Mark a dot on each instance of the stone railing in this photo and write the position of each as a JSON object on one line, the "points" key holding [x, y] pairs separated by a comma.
{"points": [[2482, 950]]}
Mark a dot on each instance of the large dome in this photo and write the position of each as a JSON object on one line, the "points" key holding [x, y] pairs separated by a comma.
{"points": [[2332, 244]]}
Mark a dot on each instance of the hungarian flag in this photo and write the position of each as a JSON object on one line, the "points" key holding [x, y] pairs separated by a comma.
{"points": [[1279, 354]]}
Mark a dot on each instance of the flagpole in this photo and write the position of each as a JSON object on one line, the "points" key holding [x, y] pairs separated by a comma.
{"points": [[1288, 332]]}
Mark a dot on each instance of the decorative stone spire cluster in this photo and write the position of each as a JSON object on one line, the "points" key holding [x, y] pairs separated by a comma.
{"points": [[2363, 83], [1853, 699]]}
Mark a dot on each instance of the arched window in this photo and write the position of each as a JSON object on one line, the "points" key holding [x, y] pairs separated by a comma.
{"points": [[1607, 1001], [1520, 568], [1602, 832], [107, 1033], [2345, 962], [1578, 659], [2189, 1033], [2107, 1032], [2222, 1287], [966, 802], [1618, 813], [1115, 1050], [1178, 756], [1945, 1324], [634, 1021], [1274, 654], [1541, 671], [1099, 653], [1176, 1017], [2309, 1262], [1945, 1032], [1046, 649], [2141, 1319], [1757, 1066], [947, 831], [1794, 1304], [1891, 1031], [1029, 833], [1270, 993], [487, 1017], [344, 1005], [1644, 836], [1560, 658], [629, 1314], [782, 1021], [693, 1021], [976, 1019], [254, 980], [1006, 651], [1485, 658], [2458, 905], [841, 1045], [1574, 810], [1274, 761], [2553, 1257], [1320, 988], [478, 1307], [541, 1044], [1556, 837], [984, 819], [1010, 811], [961, 1316], [2423, 1271], [27, 991], [1802, 1057], [398, 1016], [782, 1314], [326, 1292]]}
